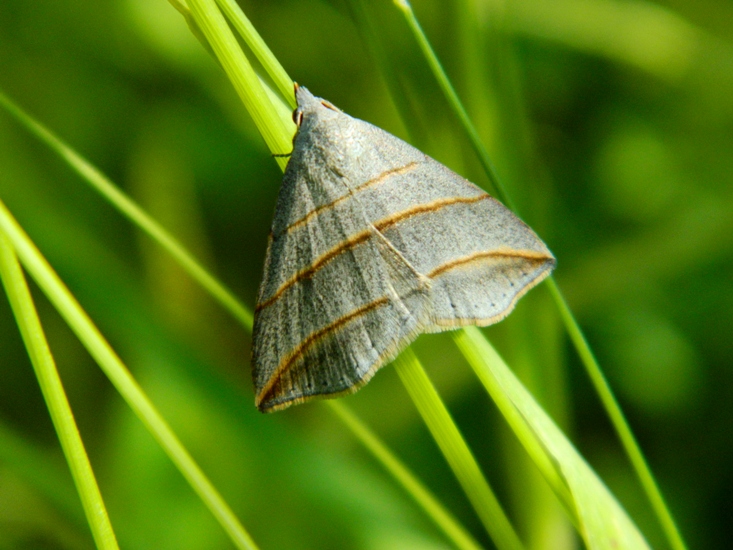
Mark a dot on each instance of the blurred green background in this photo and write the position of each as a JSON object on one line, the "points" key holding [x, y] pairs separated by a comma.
{"points": [[611, 124]]}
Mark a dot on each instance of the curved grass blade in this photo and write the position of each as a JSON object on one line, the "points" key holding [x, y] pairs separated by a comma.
{"points": [[114, 368], [613, 409], [456, 452], [442, 517], [49, 380], [263, 54], [602, 522], [133, 212], [276, 131]]}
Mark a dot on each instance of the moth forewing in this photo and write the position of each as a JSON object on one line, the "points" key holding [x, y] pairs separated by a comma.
{"points": [[372, 243]]}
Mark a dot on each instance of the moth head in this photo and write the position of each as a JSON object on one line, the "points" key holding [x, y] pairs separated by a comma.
{"points": [[308, 103]]}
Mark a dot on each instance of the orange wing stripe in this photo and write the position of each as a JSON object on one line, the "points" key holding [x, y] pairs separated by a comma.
{"points": [[313, 339], [363, 236]]}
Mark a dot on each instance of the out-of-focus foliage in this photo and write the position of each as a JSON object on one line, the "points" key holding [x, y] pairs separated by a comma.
{"points": [[611, 123]]}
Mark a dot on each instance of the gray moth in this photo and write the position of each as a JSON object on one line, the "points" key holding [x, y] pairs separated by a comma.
{"points": [[373, 243]]}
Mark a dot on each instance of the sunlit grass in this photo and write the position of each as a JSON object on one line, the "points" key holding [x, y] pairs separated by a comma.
{"points": [[119, 375], [49, 380]]}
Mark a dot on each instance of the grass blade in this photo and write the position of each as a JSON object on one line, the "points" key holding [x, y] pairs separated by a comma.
{"points": [[442, 517], [114, 368], [34, 338], [263, 54], [454, 101], [641, 467], [182, 8], [276, 131], [601, 520], [456, 451], [133, 212]]}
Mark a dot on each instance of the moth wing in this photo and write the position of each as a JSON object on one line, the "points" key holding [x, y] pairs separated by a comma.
{"points": [[479, 256], [337, 300], [372, 243]]}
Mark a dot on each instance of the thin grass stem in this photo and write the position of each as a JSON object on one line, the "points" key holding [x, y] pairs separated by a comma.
{"points": [[120, 376], [424, 498], [454, 102], [263, 54], [133, 212], [49, 380], [641, 467], [276, 130], [182, 8], [456, 451]]}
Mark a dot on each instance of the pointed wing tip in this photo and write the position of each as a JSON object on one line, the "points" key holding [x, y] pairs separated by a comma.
{"points": [[267, 404], [268, 399], [265, 408], [549, 265], [304, 97], [270, 404], [544, 258], [264, 401]]}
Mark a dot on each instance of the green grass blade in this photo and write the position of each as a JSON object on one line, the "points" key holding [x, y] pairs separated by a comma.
{"points": [[442, 517], [114, 368], [34, 338], [454, 101], [276, 131], [641, 467], [602, 522], [387, 70], [456, 451], [613, 409], [263, 54], [182, 8], [133, 212]]}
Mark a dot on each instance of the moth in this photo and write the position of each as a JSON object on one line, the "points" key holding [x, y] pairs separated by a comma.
{"points": [[373, 243]]}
